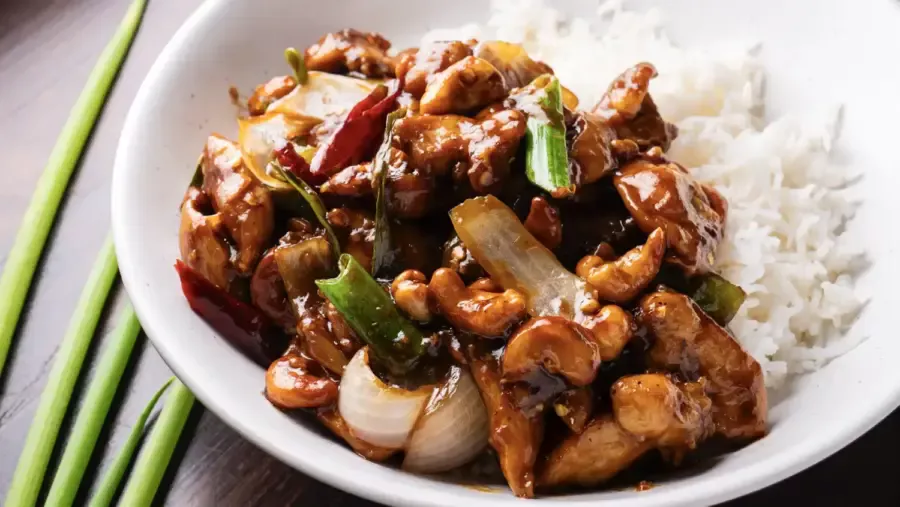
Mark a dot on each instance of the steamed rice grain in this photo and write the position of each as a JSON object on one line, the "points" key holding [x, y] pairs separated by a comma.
{"points": [[789, 204]]}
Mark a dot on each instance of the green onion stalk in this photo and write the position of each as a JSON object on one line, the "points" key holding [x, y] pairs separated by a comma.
{"points": [[157, 452], [546, 154], [312, 198], [381, 246], [29, 243], [93, 411], [106, 491], [369, 310], [54, 401], [298, 64]]}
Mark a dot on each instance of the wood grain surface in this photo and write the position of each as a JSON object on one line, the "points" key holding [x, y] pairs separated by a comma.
{"points": [[47, 48]]}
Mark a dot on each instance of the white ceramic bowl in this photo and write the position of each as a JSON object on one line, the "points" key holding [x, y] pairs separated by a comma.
{"points": [[815, 50]]}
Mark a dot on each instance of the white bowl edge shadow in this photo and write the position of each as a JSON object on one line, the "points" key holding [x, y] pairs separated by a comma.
{"points": [[184, 98]]}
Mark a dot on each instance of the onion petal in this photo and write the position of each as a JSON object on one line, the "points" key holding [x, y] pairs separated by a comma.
{"points": [[260, 137], [453, 429], [377, 413], [517, 260], [324, 94]]}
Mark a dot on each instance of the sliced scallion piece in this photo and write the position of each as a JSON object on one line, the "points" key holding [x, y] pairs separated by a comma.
{"points": [[369, 310], [110, 482], [298, 63], [311, 197], [546, 154], [93, 411], [381, 246], [29, 474], [29, 243], [156, 453]]}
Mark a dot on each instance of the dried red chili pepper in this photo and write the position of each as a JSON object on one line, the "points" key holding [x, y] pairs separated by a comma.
{"points": [[358, 137], [240, 324], [288, 157]]}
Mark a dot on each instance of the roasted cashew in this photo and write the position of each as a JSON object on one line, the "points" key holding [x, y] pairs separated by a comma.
{"points": [[623, 279], [289, 384], [611, 328], [479, 312], [556, 344], [411, 294], [486, 285], [466, 86]]}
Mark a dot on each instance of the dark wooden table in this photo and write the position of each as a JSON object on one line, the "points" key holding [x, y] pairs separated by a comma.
{"points": [[47, 48]]}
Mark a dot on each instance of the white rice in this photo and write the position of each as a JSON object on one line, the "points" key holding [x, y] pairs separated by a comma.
{"points": [[789, 203]]}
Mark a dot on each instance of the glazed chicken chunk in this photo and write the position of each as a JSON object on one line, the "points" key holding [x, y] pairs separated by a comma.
{"points": [[351, 51]]}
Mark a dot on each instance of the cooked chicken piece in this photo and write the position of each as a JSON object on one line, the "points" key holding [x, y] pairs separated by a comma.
{"points": [[575, 406], [267, 292], [351, 181], [417, 68], [431, 146], [543, 223], [653, 407], [690, 341], [664, 195], [269, 92], [589, 140], [628, 108], [516, 436], [201, 239], [330, 417], [593, 456], [649, 411], [464, 87], [355, 230], [244, 204], [351, 51]]}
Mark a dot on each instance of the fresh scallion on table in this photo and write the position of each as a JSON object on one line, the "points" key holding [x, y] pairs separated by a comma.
{"points": [[156, 453], [39, 443], [106, 491], [93, 410], [29, 243]]}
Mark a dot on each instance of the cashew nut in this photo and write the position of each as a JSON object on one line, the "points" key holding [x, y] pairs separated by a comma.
{"points": [[623, 279], [289, 384], [476, 311], [556, 344], [611, 328], [411, 294]]}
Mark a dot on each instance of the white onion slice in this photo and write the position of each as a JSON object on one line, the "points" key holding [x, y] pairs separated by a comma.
{"points": [[454, 428], [515, 259], [323, 95], [260, 136], [377, 413]]}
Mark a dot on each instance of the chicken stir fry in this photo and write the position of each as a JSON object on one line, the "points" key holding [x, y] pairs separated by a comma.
{"points": [[438, 251]]}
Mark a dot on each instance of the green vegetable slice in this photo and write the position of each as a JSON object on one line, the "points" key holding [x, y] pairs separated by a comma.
{"points": [[718, 297], [110, 482], [93, 411], [311, 197], [369, 310], [29, 474], [546, 154], [382, 254], [298, 63], [154, 459], [29, 243]]}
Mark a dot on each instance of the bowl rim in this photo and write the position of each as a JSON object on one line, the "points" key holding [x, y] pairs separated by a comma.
{"points": [[754, 476]]}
